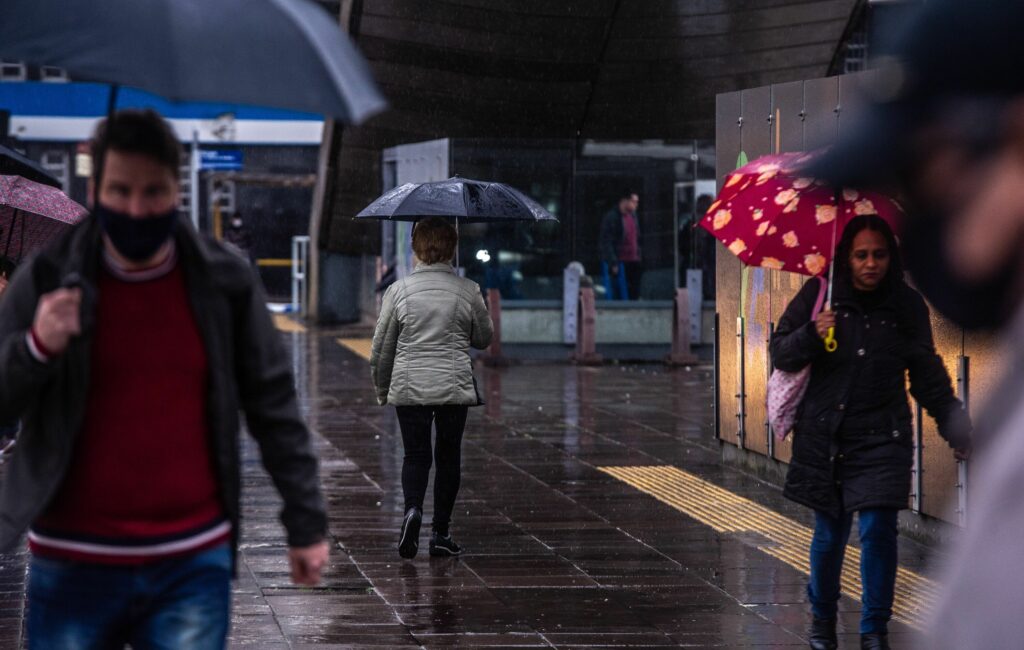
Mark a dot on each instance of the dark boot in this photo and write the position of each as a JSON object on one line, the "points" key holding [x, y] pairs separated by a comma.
{"points": [[874, 641], [823, 634], [408, 540]]}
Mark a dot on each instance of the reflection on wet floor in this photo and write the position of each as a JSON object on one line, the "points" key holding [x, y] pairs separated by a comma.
{"points": [[561, 552]]}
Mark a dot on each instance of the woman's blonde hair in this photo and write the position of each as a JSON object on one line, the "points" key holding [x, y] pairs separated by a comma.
{"points": [[434, 240]]}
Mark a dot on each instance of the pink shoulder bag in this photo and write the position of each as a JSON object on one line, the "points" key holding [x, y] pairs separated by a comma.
{"points": [[786, 389]]}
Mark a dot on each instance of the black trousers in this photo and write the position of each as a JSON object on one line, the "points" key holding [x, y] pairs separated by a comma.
{"points": [[450, 422]]}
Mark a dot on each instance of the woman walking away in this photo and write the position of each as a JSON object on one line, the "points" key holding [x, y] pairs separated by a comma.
{"points": [[420, 363], [853, 443]]}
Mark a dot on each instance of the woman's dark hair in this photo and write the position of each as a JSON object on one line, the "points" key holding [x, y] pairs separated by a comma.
{"points": [[434, 240], [845, 246]]}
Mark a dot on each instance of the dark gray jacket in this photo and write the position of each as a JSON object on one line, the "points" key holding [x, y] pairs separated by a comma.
{"points": [[611, 234], [853, 439], [249, 370]]}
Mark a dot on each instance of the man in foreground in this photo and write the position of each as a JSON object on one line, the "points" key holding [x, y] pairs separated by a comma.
{"points": [[128, 348]]}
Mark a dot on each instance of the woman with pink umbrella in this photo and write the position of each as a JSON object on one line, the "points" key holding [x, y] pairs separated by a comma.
{"points": [[853, 439]]}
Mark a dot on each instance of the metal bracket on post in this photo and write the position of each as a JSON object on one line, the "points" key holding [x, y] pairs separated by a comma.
{"points": [[718, 378], [767, 423], [300, 260], [963, 381], [681, 354], [918, 468], [741, 380], [586, 336], [494, 356]]}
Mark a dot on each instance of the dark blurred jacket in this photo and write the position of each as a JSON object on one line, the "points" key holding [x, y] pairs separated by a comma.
{"points": [[853, 440]]}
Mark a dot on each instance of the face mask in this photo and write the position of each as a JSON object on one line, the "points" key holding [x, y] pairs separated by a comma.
{"points": [[977, 305], [136, 239]]}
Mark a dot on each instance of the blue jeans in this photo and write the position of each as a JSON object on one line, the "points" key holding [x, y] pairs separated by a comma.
{"points": [[877, 565], [181, 602], [614, 285]]}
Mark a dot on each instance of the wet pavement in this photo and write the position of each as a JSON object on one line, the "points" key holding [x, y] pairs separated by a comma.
{"points": [[594, 510]]}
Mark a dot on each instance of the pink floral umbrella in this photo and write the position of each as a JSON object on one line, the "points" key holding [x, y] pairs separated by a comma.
{"points": [[31, 214], [769, 215]]}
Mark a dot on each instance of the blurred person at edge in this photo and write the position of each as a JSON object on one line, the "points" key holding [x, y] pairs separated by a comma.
{"points": [[420, 364], [853, 438], [128, 347], [947, 130]]}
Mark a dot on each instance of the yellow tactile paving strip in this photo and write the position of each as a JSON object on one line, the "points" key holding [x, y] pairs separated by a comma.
{"points": [[790, 541], [286, 324], [359, 346]]}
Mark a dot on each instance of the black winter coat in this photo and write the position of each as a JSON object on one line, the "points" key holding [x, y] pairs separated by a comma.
{"points": [[853, 439]]}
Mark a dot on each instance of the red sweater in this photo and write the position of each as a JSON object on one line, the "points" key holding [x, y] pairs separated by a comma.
{"points": [[141, 484]]}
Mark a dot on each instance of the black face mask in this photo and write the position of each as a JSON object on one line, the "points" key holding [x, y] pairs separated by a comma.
{"points": [[977, 305], [136, 239]]}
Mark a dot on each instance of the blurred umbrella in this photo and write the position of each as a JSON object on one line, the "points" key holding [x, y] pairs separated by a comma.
{"points": [[31, 214], [462, 199], [13, 163], [281, 53]]}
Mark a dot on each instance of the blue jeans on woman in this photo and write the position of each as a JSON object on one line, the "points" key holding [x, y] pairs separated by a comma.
{"points": [[181, 602], [878, 562]]}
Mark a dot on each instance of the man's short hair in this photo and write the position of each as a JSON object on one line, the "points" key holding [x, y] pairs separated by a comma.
{"points": [[139, 131], [628, 194], [434, 240]]}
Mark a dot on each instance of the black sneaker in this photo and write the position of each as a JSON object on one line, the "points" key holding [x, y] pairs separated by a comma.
{"points": [[408, 542], [443, 546]]}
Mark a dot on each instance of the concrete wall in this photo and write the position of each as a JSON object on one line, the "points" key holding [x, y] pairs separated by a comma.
{"points": [[640, 322]]}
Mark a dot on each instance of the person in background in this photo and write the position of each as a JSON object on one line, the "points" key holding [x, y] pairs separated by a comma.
{"points": [[853, 438], [128, 347], [237, 234], [420, 363], [619, 243]]}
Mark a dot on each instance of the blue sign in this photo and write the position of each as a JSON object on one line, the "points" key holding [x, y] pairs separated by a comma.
{"points": [[220, 159]]}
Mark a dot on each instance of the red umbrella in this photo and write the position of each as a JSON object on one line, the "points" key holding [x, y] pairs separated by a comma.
{"points": [[32, 214], [770, 215]]}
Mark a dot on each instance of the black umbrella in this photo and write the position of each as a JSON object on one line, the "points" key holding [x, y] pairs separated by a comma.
{"points": [[465, 200], [13, 163], [281, 53]]}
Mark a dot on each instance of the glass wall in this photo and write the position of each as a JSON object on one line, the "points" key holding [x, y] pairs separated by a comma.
{"points": [[581, 184]]}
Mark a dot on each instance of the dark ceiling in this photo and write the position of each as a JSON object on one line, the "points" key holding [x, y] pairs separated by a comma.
{"points": [[602, 69]]}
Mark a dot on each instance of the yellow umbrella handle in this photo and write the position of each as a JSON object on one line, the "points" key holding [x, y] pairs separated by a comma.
{"points": [[830, 340]]}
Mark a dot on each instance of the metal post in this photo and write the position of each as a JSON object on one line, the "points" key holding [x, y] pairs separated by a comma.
{"points": [[741, 395], [494, 356], [718, 378], [963, 380], [193, 180], [586, 338], [300, 258], [681, 353], [918, 469], [767, 423]]}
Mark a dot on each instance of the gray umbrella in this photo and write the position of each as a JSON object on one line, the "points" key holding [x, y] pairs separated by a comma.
{"points": [[281, 53], [463, 199]]}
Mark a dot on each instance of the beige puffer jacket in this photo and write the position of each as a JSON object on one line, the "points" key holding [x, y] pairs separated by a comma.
{"points": [[428, 321]]}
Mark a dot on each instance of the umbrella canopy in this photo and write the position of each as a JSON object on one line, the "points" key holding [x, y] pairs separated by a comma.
{"points": [[31, 214], [13, 163], [463, 199], [281, 53], [770, 216]]}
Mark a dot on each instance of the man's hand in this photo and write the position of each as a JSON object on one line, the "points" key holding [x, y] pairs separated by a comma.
{"points": [[614, 268], [308, 562], [963, 453], [824, 321], [58, 318]]}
